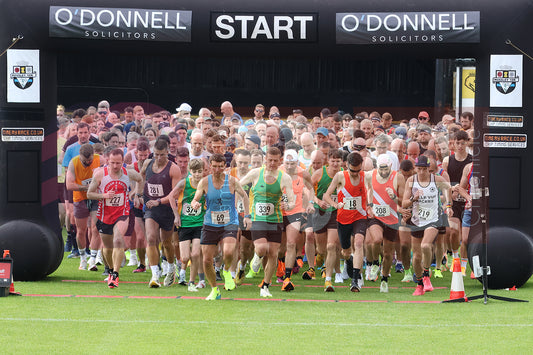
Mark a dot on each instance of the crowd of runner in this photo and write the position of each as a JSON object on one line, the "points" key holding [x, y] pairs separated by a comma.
{"points": [[346, 198]]}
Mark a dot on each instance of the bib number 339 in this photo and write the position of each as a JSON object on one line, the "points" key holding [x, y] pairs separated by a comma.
{"points": [[264, 209]]}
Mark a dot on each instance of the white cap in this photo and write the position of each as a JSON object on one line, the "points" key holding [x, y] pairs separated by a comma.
{"points": [[184, 107], [384, 159], [290, 155]]}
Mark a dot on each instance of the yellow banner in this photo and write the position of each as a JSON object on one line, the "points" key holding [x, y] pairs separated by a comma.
{"points": [[469, 83]]}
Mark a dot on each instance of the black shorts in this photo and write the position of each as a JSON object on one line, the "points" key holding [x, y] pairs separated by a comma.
{"points": [[270, 231], [418, 232], [347, 230], [389, 232], [137, 212], [245, 233], [213, 235], [131, 225], [189, 233], [104, 228], [458, 208], [162, 215], [324, 220], [297, 217]]}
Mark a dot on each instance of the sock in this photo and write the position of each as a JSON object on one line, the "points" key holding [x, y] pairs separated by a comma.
{"points": [[201, 276], [328, 278], [356, 273], [464, 261], [368, 264], [94, 253], [115, 273], [385, 278], [455, 254], [288, 271], [217, 268], [82, 252], [425, 272], [399, 263], [419, 282], [266, 284], [141, 265], [155, 270], [182, 273]]}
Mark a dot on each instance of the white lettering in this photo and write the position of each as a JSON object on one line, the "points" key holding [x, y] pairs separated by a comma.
{"points": [[101, 14], [369, 24], [287, 27], [430, 23], [350, 17], [386, 22], [466, 27], [178, 27], [69, 17], [122, 17], [407, 19], [303, 24], [244, 24], [91, 16], [138, 18], [261, 28], [444, 19], [221, 23], [156, 17]]}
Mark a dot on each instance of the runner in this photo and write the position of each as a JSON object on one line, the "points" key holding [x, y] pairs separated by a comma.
{"points": [[268, 185], [422, 194], [160, 176], [113, 182], [220, 220], [353, 192]]}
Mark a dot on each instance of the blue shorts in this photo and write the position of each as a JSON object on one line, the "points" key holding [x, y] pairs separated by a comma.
{"points": [[467, 218]]}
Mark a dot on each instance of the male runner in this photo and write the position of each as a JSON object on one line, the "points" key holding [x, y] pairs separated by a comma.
{"points": [[220, 220], [113, 182], [353, 192], [160, 176], [268, 185]]}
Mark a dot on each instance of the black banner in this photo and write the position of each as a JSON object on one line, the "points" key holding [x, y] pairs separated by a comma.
{"points": [[264, 27], [120, 24], [407, 27]]}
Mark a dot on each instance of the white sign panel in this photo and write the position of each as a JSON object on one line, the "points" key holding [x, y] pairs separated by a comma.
{"points": [[23, 76], [506, 80], [13, 134], [497, 140]]}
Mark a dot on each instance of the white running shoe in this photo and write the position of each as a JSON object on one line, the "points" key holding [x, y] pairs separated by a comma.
{"points": [[99, 258], [384, 287], [338, 278], [192, 288], [171, 275], [181, 280], [257, 262], [373, 275], [83, 263], [265, 292], [345, 272], [92, 264], [201, 284], [154, 281], [361, 282], [367, 272], [133, 259]]}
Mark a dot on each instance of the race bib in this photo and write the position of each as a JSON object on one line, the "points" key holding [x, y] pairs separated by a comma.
{"points": [[189, 211], [352, 203], [264, 209], [86, 182], [240, 206], [155, 190], [425, 213], [220, 217], [115, 201], [381, 210], [284, 198]]}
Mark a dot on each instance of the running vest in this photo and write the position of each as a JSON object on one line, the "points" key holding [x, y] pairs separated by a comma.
{"points": [[428, 207], [322, 186], [265, 199], [354, 199], [220, 211], [385, 209], [455, 171], [304, 160], [157, 185], [83, 175], [298, 189], [110, 209], [189, 216]]}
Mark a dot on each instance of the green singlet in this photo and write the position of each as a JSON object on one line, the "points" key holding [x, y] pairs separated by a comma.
{"points": [[322, 187], [265, 199], [189, 216]]}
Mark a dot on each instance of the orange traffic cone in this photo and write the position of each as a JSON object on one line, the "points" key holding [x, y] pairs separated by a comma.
{"points": [[457, 290]]}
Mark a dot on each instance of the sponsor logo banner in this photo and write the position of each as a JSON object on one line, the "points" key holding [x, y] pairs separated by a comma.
{"points": [[264, 27], [12, 134], [496, 140], [506, 80], [407, 27], [504, 121], [23, 73], [120, 24]]}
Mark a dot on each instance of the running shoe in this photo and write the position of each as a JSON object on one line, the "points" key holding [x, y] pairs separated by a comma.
{"points": [[428, 287], [112, 281], [141, 268], [399, 268], [384, 287], [192, 287], [200, 284], [287, 285], [354, 286], [261, 284], [323, 272], [181, 279], [83, 263], [437, 274], [280, 272], [360, 281], [374, 271], [92, 264], [419, 291], [344, 273], [408, 277], [309, 275], [338, 278], [99, 258], [300, 262], [328, 287], [256, 263], [239, 278], [265, 292], [295, 270], [251, 274], [367, 272], [170, 278], [106, 271], [279, 280], [154, 281], [214, 295], [74, 254], [463, 270], [133, 260], [229, 284]]}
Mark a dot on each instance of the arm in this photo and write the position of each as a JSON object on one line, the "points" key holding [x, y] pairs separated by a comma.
{"points": [[311, 193], [250, 177], [92, 193], [175, 205], [463, 185], [369, 195], [71, 180], [327, 195], [445, 187], [240, 191], [286, 185], [407, 200], [200, 191]]}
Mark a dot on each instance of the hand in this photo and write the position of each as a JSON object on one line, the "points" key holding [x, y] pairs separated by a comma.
{"points": [[152, 203], [323, 204], [177, 221], [369, 212], [468, 204], [391, 193], [449, 211], [310, 209], [108, 194], [340, 205], [417, 195], [195, 204], [406, 212], [247, 222], [284, 206]]}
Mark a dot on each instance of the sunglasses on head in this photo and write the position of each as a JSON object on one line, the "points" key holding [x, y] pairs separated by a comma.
{"points": [[358, 146]]}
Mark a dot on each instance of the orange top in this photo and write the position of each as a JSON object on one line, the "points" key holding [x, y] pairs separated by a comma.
{"points": [[385, 209], [297, 188], [354, 199], [83, 175]]}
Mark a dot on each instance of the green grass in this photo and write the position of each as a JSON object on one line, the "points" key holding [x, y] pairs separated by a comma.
{"points": [[82, 325]]}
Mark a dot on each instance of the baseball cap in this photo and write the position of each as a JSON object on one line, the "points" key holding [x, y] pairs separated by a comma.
{"points": [[375, 118], [184, 107], [274, 114], [255, 139], [242, 129], [290, 155], [423, 114], [323, 131], [401, 132], [286, 133], [384, 159], [422, 161], [180, 126], [423, 128]]}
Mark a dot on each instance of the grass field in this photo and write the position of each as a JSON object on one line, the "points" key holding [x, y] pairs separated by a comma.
{"points": [[73, 311]]}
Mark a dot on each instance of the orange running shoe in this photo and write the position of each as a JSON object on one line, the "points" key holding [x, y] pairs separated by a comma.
{"points": [[300, 262], [287, 285], [309, 275], [281, 269], [419, 290]]}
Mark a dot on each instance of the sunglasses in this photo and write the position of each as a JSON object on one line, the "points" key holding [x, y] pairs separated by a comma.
{"points": [[354, 171], [423, 118], [102, 112], [259, 110], [358, 147]]}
